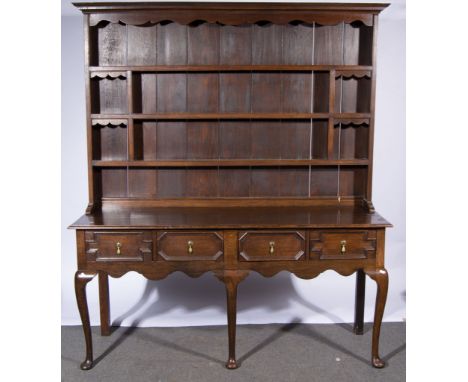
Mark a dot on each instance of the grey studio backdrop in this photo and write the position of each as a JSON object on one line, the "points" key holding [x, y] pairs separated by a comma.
{"points": [[182, 301]]}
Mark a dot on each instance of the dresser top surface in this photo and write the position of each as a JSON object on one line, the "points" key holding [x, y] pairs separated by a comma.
{"points": [[230, 218]]}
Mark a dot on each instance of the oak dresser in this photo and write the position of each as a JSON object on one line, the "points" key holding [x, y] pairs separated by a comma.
{"points": [[230, 138]]}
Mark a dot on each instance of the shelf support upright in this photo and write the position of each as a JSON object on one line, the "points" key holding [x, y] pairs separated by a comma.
{"points": [[367, 201], [89, 127], [331, 109], [130, 128]]}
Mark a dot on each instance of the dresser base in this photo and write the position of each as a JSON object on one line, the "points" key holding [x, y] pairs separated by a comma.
{"points": [[231, 279]]}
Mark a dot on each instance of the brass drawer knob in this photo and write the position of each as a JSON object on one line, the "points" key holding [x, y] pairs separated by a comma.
{"points": [[190, 247], [272, 247], [343, 247], [118, 246]]}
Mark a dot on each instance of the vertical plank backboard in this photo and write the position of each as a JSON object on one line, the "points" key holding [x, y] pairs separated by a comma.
{"points": [[264, 182], [202, 182], [202, 140], [142, 183], [324, 181], [202, 93], [354, 141], [295, 138], [293, 182], [171, 92], [362, 142], [347, 141], [353, 181], [366, 44], [267, 43], [336, 140], [170, 183], [203, 44], [171, 44], [235, 45], [234, 182], [113, 143], [319, 139], [266, 92], [112, 40], [142, 43], [234, 92], [296, 92], [150, 140], [113, 96], [149, 103], [298, 44], [328, 44], [234, 140], [171, 140], [351, 45], [321, 92], [114, 182], [266, 139]]}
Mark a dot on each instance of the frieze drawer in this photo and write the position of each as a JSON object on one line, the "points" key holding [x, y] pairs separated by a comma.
{"points": [[336, 244], [187, 246], [271, 245], [119, 246]]}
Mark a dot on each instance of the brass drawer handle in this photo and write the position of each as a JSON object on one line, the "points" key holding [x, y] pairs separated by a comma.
{"points": [[118, 246], [343, 247], [272, 247], [190, 247]]}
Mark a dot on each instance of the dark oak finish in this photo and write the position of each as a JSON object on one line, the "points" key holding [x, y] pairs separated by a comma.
{"points": [[380, 276], [359, 302], [231, 280], [190, 246], [271, 245], [104, 303], [232, 163], [251, 217], [230, 138], [118, 246], [81, 280], [338, 244]]}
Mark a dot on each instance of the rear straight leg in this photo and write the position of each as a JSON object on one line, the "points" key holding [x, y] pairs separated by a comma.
{"points": [[104, 305], [81, 280], [359, 302]]}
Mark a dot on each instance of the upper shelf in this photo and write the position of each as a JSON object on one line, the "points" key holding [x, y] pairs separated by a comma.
{"points": [[117, 71], [176, 116], [230, 13]]}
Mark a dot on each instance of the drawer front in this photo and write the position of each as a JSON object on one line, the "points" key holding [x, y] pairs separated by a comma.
{"points": [[187, 246], [119, 246], [336, 244], [271, 245]]}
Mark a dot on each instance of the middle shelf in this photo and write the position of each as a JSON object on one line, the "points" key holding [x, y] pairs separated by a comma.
{"points": [[230, 143], [231, 163]]}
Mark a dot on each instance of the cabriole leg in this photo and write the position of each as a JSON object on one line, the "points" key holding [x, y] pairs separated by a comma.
{"points": [[359, 302], [380, 276], [81, 280], [231, 280], [104, 306]]}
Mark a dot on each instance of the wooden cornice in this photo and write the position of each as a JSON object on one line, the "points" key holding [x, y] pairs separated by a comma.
{"points": [[230, 13]]}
